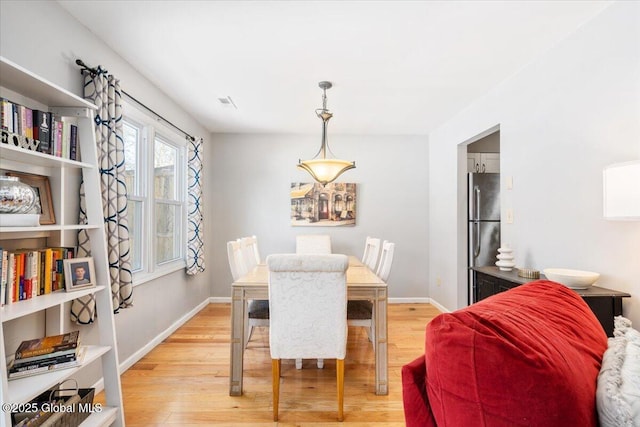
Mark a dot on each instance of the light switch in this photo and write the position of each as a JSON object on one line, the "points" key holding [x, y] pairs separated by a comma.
{"points": [[509, 183], [509, 216]]}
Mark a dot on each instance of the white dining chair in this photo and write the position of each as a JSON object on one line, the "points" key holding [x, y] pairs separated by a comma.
{"points": [[313, 244], [308, 308], [258, 310], [236, 260], [256, 252], [360, 313], [247, 245], [371, 252], [386, 259]]}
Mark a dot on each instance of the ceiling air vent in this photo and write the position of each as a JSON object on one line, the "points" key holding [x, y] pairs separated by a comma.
{"points": [[227, 102]]}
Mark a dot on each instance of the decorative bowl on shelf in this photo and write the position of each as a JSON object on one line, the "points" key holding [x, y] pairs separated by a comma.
{"points": [[15, 197], [574, 279]]}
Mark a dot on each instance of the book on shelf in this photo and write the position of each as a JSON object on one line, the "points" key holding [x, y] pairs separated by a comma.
{"points": [[28, 122], [73, 142], [57, 135], [44, 360], [4, 265], [48, 358], [32, 272], [7, 115], [48, 368], [47, 345], [41, 130]]}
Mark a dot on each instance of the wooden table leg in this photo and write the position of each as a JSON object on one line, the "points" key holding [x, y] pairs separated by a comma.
{"points": [[380, 342], [238, 307]]}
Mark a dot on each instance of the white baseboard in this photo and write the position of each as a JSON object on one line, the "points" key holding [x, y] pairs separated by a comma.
{"points": [[227, 300], [439, 306], [131, 360], [409, 300]]}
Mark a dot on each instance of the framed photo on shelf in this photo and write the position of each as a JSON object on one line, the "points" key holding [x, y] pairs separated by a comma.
{"points": [[44, 202], [79, 273]]}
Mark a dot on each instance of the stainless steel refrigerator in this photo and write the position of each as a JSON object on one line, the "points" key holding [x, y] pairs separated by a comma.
{"points": [[484, 222]]}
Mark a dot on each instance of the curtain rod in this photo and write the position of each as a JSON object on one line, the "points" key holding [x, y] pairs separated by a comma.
{"points": [[95, 71]]}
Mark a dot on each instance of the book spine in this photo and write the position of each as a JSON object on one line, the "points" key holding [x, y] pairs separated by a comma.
{"points": [[47, 350], [48, 270], [28, 122], [73, 142], [11, 271], [41, 130], [28, 275], [7, 118], [3, 277], [60, 273], [44, 369], [36, 114], [16, 118], [66, 138], [59, 126], [35, 272], [19, 278], [44, 361], [22, 119], [57, 354]]}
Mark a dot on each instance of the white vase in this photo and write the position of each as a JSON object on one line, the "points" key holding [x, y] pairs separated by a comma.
{"points": [[505, 259]]}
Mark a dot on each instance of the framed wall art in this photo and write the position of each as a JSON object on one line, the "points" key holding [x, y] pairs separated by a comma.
{"points": [[314, 205], [42, 187]]}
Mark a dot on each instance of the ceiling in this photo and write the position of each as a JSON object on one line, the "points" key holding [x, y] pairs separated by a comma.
{"points": [[397, 67]]}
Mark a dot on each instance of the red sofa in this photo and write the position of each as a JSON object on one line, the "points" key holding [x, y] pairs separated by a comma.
{"points": [[529, 356]]}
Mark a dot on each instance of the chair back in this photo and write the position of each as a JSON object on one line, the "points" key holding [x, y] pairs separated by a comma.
{"points": [[313, 244], [371, 252], [307, 306], [254, 245], [248, 246], [384, 268], [236, 261]]}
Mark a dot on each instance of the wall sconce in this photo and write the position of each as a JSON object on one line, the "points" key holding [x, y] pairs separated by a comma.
{"points": [[621, 184]]}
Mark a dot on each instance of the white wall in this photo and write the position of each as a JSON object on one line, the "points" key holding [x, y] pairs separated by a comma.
{"points": [[249, 189], [42, 37], [562, 120]]}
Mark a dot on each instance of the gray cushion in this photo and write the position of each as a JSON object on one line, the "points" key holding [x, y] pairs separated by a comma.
{"points": [[259, 309], [359, 310]]}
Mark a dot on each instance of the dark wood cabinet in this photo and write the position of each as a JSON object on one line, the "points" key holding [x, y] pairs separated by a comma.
{"points": [[605, 303]]}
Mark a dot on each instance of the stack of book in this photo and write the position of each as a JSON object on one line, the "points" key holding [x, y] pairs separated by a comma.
{"points": [[54, 134], [27, 273], [46, 354]]}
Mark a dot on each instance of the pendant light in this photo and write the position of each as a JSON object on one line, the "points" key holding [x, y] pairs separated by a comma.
{"points": [[325, 170]]}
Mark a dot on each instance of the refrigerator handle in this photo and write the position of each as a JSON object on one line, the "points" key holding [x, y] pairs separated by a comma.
{"points": [[476, 225], [476, 192], [476, 246]]}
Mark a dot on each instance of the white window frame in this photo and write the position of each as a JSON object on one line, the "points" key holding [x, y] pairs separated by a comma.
{"points": [[152, 128]]}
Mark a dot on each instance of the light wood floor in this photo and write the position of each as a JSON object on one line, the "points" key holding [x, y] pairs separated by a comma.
{"points": [[185, 380]]}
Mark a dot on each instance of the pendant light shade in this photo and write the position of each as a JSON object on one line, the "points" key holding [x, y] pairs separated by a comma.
{"points": [[325, 169]]}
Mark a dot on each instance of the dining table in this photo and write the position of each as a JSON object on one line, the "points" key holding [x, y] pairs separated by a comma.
{"points": [[362, 284]]}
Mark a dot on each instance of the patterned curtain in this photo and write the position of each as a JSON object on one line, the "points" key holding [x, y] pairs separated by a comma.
{"points": [[195, 245], [104, 91]]}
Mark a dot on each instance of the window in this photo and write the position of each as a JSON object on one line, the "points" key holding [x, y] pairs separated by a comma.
{"points": [[156, 194]]}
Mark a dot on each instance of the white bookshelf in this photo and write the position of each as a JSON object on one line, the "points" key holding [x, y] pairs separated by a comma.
{"points": [[64, 176]]}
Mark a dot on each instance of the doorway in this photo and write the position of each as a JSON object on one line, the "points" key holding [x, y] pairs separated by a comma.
{"points": [[480, 190]]}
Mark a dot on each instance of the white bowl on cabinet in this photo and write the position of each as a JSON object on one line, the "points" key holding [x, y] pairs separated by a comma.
{"points": [[574, 279]]}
